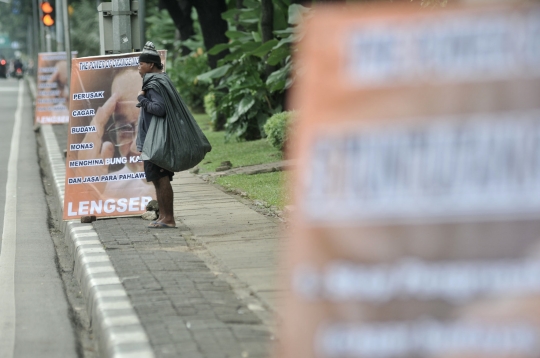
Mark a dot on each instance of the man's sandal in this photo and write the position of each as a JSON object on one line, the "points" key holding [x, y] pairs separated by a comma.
{"points": [[157, 225]]}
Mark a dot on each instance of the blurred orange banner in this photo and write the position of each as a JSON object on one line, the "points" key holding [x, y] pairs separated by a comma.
{"points": [[104, 174], [417, 186], [52, 98]]}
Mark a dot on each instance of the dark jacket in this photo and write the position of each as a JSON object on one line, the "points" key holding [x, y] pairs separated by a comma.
{"points": [[152, 104]]}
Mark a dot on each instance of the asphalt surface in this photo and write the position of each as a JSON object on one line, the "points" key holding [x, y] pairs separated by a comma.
{"points": [[34, 314]]}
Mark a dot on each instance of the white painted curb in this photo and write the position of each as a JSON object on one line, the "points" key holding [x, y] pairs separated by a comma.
{"points": [[115, 323]]}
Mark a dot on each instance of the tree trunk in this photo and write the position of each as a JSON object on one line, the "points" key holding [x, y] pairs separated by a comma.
{"points": [[180, 12], [239, 5], [267, 20], [213, 30], [267, 28], [212, 25]]}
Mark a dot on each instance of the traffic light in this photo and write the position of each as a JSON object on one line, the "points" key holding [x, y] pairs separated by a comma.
{"points": [[48, 13]]}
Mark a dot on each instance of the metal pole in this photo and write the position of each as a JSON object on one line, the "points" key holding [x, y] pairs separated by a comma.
{"points": [[67, 40], [29, 38], [59, 26], [35, 30], [42, 35], [121, 21], [48, 39], [142, 24]]}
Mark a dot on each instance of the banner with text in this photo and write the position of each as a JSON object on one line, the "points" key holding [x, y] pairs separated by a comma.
{"points": [[417, 185], [52, 98], [104, 174]]}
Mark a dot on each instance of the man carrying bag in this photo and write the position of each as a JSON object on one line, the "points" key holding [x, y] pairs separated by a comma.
{"points": [[168, 136]]}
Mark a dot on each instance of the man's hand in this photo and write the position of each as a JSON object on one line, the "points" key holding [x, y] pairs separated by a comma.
{"points": [[101, 149]]}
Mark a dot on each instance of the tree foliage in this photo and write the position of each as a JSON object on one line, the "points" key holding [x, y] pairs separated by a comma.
{"points": [[14, 20], [252, 93], [212, 26], [84, 24], [185, 58], [161, 30]]}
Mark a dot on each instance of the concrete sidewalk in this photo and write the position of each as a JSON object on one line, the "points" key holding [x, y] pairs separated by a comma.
{"points": [[245, 242], [206, 289]]}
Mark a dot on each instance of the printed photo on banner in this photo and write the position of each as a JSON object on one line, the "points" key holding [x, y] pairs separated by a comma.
{"points": [[52, 99], [104, 173]]}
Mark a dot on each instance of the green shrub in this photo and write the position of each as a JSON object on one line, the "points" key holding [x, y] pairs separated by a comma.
{"points": [[211, 110], [210, 104], [217, 119], [276, 129]]}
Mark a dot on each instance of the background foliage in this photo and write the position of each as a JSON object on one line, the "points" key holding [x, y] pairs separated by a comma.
{"points": [[84, 25], [15, 19], [248, 71], [182, 70], [253, 75]]}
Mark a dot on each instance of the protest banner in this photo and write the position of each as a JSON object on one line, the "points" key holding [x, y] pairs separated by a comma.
{"points": [[104, 174], [52, 88], [417, 187]]}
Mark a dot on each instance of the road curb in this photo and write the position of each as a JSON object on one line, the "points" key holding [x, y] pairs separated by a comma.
{"points": [[115, 323]]}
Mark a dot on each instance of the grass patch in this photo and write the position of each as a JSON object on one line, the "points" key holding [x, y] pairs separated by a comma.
{"points": [[268, 187], [238, 153]]}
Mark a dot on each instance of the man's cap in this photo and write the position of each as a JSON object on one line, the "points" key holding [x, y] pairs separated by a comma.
{"points": [[149, 54]]}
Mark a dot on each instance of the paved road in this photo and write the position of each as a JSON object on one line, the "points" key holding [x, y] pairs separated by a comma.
{"points": [[34, 314]]}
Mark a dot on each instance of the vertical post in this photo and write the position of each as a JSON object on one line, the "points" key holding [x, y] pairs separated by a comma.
{"points": [[42, 35], [35, 22], [29, 38], [59, 25], [121, 21], [67, 40], [119, 30], [142, 25], [48, 39]]}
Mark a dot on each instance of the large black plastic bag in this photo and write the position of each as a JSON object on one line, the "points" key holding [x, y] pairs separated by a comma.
{"points": [[175, 142]]}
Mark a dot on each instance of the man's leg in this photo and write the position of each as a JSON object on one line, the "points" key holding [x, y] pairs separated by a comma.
{"points": [[164, 194]]}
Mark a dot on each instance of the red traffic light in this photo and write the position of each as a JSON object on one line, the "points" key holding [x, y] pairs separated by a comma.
{"points": [[46, 7]]}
